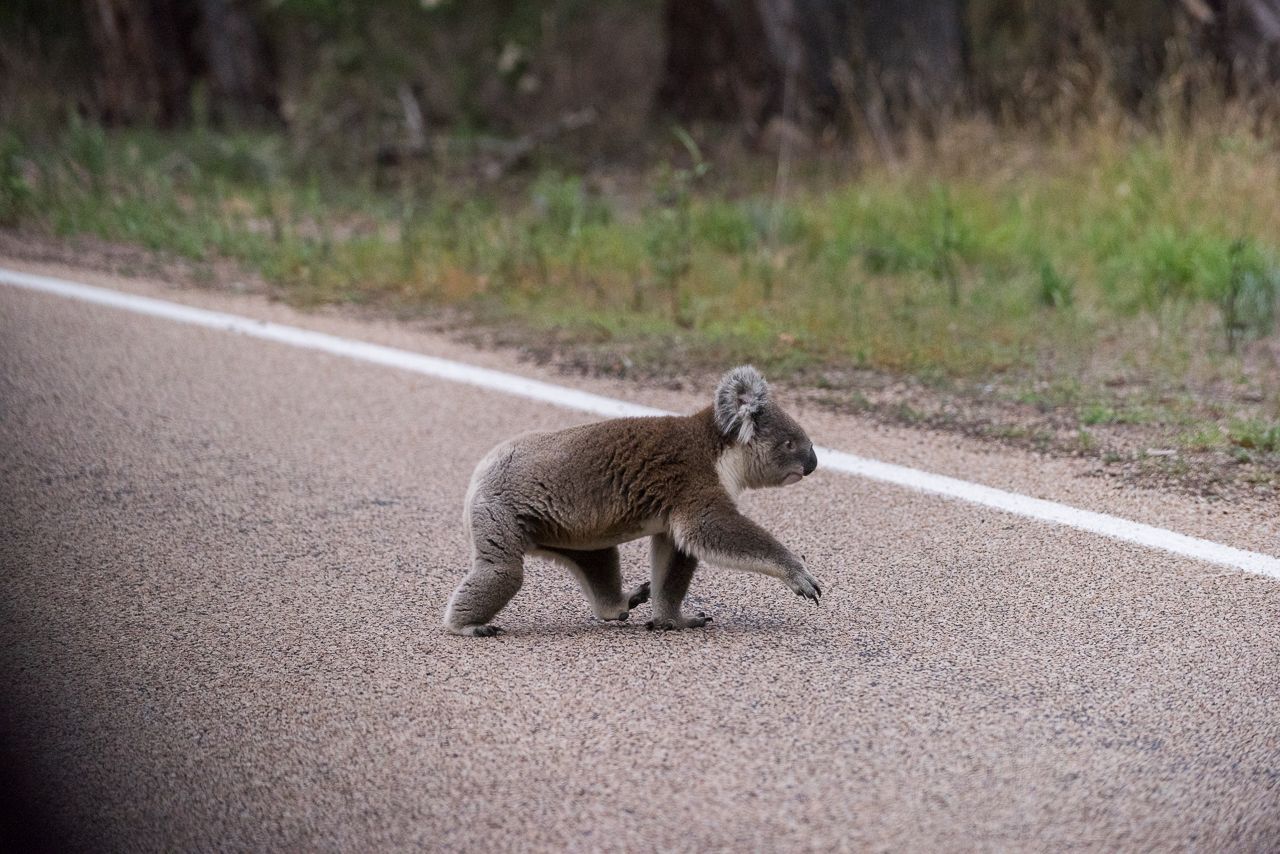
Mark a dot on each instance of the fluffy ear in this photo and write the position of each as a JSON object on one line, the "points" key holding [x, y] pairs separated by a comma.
{"points": [[740, 396]]}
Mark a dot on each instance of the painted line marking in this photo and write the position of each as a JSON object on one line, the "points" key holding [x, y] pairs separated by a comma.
{"points": [[460, 372]]}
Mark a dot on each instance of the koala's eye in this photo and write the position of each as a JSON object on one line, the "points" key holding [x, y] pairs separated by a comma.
{"points": [[789, 445]]}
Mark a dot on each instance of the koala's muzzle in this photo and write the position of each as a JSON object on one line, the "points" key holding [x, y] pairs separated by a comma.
{"points": [[811, 463]]}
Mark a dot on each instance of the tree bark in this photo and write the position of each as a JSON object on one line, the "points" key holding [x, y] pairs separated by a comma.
{"points": [[734, 60], [142, 72], [151, 53], [1244, 37], [241, 68], [720, 64], [913, 56]]}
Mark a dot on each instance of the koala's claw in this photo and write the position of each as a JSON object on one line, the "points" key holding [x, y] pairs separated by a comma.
{"points": [[486, 631], [679, 623], [805, 586], [639, 596]]}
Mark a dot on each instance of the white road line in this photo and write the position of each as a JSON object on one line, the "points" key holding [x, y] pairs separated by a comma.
{"points": [[460, 372]]}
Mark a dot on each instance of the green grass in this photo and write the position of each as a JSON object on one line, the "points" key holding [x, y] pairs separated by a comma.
{"points": [[1085, 256], [1103, 413], [1255, 435]]}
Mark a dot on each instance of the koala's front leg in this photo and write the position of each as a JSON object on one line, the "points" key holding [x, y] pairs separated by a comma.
{"points": [[672, 572], [719, 534]]}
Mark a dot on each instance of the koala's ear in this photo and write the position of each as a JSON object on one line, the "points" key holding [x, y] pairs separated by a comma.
{"points": [[741, 395]]}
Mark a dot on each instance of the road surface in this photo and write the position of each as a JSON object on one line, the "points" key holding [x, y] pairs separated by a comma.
{"points": [[224, 565]]}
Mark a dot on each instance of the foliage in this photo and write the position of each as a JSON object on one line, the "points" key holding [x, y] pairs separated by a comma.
{"points": [[15, 192], [1247, 290], [669, 226], [1053, 289], [928, 265]]}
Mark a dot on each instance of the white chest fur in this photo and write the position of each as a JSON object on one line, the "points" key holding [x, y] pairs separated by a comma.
{"points": [[732, 469]]}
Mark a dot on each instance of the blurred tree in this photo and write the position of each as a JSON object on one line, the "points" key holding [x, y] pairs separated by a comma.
{"points": [[151, 55], [367, 67], [720, 64], [142, 72], [239, 61], [1244, 37], [913, 57], [799, 58]]}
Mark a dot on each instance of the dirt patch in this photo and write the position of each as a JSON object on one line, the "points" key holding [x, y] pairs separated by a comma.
{"points": [[123, 259]]}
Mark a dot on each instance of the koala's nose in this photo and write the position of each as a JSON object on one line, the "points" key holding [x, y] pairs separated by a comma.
{"points": [[811, 463]]}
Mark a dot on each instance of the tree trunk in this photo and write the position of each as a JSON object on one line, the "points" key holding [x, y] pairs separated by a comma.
{"points": [[720, 64], [1244, 38], [151, 53], [142, 49], [751, 61], [913, 56], [738, 61], [241, 68]]}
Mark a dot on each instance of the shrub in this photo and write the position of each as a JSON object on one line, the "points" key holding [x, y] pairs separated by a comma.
{"points": [[1053, 289], [15, 192]]}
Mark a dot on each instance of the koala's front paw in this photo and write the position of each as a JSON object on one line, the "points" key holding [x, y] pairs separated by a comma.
{"points": [[638, 595], [667, 624], [804, 585], [480, 631]]}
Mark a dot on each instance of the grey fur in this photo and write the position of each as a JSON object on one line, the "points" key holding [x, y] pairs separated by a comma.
{"points": [[574, 495], [740, 396]]}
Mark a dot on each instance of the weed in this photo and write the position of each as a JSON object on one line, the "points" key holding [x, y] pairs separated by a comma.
{"points": [[564, 208], [1246, 292], [1013, 432], [1103, 413], [726, 227], [1255, 435], [908, 414], [15, 192], [858, 401], [946, 244], [1097, 413], [86, 148], [670, 235], [1053, 289], [1204, 438], [1168, 262]]}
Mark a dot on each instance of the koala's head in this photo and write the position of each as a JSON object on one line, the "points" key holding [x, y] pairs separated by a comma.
{"points": [[767, 447]]}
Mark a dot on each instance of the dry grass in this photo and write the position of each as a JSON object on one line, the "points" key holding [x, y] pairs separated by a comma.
{"points": [[1112, 264]]}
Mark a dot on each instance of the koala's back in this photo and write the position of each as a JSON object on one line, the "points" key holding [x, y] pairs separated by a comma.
{"points": [[601, 483]]}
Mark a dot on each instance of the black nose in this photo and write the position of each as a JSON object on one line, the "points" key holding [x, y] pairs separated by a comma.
{"points": [[811, 463]]}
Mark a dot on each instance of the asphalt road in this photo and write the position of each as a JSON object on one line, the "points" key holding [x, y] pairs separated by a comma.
{"points": [[223, 568]]}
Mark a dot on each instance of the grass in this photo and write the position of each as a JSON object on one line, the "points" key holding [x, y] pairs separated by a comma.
{"points": [[988, 256], [1255, 435], [902, 269]]}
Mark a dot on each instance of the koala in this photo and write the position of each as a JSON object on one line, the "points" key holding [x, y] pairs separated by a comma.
{"points": [[573, 495]]}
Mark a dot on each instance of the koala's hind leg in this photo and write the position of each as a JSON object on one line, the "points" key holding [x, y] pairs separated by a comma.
{"points": [[487, 588], [497, 571], [672, 573], [600, 577]]}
